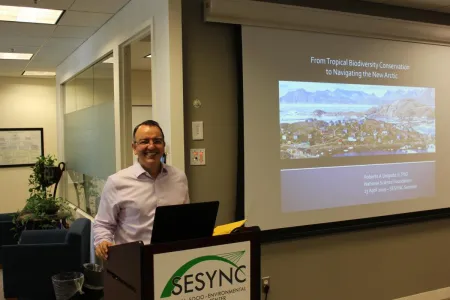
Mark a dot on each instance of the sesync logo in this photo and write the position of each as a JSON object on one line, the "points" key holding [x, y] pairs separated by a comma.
{"points": [[181, 282]]}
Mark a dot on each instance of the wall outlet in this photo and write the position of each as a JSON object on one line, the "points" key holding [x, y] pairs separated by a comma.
{"points": [[265, 282], [198, 157]]}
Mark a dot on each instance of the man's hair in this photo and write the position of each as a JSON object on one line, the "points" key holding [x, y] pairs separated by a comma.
{"points": [[147, 123]]}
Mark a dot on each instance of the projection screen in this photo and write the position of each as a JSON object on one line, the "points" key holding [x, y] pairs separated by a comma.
{"points": [[341, 127]]}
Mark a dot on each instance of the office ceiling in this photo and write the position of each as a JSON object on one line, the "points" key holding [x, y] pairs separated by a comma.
{"points": [[434, 5], [51, 44]]}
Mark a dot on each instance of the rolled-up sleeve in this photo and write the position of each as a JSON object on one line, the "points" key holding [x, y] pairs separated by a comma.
{"points": [[105, 222]]}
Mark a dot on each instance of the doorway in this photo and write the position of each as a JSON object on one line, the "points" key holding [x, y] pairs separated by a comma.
{"points": [[137, 86]]}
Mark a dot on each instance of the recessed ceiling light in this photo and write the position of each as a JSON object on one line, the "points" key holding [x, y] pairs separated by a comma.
{"points": [[109, 60], [29, 14], [13, 55], [38, 73], [148, 56]]}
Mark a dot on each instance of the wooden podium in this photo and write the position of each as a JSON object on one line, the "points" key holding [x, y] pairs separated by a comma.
{"points": [[225, 267]]}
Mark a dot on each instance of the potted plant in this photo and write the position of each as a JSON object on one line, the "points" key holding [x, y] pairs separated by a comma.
{"points": [[43, 210]]}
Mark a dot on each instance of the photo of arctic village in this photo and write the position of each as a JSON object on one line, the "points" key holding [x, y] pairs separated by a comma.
{"points": [[334, 120]]}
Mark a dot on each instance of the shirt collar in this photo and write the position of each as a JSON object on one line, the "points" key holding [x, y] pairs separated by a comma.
{"points": [[139, 170]]}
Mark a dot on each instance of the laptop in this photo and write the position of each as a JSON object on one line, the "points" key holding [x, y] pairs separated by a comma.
{"points": [[184, 221]]}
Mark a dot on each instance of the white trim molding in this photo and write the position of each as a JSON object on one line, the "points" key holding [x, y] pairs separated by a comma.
{"points": [[264, 14], [440, 294], [164, 19]]}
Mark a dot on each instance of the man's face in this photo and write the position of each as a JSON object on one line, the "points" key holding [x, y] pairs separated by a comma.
{"points": [[149, 146]]}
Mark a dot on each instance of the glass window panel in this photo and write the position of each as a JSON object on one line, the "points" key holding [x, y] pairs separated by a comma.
{"points": [[89, 136]]}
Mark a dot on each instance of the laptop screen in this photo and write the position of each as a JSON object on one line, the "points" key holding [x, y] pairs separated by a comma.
{"points": [[184, 221]]}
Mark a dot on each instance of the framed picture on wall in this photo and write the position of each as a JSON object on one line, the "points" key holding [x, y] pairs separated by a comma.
{"points": [[20, 147]]}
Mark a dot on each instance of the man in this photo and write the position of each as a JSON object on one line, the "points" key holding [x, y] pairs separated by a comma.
{"points": [[130, 197]]}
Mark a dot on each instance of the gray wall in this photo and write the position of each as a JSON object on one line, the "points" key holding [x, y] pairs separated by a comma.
{"points": [[209, 74], [375, 264]]}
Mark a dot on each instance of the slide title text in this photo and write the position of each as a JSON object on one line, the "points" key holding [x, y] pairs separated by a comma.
{"points": [[351, 68]]}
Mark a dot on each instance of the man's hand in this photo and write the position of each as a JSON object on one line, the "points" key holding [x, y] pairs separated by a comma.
{"points": [[102, 249]]}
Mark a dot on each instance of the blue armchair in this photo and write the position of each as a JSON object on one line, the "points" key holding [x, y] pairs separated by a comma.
{"points": [[6, 234], [40, 254]]}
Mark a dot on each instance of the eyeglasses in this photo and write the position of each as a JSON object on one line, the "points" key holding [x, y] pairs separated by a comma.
{"points": [[146, 142]]}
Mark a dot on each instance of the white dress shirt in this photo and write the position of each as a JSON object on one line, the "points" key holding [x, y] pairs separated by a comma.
{"points": [[129, 200]]}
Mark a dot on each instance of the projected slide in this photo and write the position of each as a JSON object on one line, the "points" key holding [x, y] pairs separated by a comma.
{"points": [[335, 120], [319, 120], [340, 127]]}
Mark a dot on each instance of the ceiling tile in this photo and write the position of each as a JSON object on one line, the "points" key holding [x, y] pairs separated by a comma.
{"points": [[25, 29], [57, 42], [42, 65], [102, 6], [88, 19], [74, 31], [18, 49], [50, 4], [12, 41], [13, 65], [53, 54], [9, 73]]}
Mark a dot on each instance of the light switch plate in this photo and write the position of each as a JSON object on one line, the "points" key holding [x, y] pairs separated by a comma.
{"points": [[197, 130], [198, 157]]}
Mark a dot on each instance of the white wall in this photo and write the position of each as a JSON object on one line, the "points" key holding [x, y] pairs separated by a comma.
{"points": [[25, 102], [164, 19], [141, 87]]}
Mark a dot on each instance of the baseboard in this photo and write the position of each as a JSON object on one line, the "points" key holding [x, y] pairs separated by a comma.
{"points": [[439, 294]]}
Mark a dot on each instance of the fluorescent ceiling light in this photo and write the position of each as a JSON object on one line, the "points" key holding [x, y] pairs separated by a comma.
{"points": [[109, 60], [148, 56], [12, 55], [29, 14], [38, 73]]}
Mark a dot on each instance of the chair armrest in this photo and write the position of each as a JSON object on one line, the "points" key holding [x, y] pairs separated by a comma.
{"points": [[32, 266], [50, 236]]}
